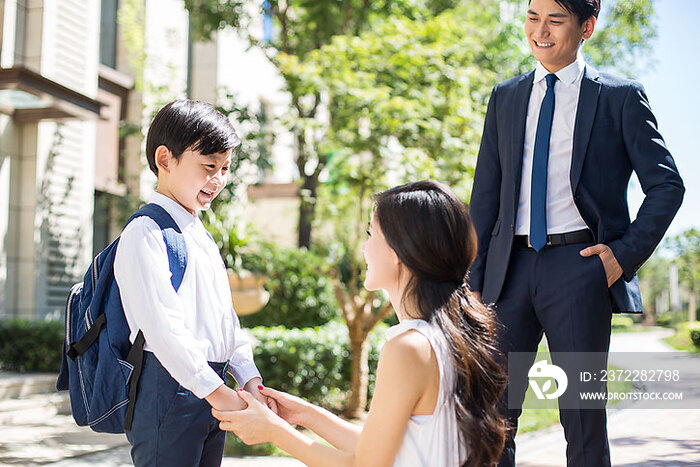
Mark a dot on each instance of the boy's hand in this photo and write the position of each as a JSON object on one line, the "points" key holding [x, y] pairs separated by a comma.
{"points": [[225, 398], [253, 387]]}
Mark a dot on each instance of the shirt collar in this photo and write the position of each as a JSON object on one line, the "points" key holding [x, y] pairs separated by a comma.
{"points": [[180, 215], [569, 75]]}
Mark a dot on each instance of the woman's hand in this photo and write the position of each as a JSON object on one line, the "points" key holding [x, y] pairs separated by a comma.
{"points": [[253, 425], [254, 386], [292, 409]]}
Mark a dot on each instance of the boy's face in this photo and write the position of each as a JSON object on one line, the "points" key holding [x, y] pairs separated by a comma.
{"points": [[194, 179], [554, 34]]}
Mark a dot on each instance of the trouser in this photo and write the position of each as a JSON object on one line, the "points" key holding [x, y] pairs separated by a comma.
{"points": [[172, 426], [564, 295]]}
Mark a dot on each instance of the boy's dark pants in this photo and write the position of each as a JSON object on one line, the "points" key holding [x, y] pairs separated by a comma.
{"points": [[564, 295], [172, 426]]}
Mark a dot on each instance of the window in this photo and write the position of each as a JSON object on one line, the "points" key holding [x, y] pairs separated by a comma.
{"points": [[108, 33]]}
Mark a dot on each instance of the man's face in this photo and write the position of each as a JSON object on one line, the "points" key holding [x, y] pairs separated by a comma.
{"points": [[554, 34]]}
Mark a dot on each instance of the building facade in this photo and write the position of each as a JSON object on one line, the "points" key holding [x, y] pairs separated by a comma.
{"points": [[65, 167], [79, 82]]}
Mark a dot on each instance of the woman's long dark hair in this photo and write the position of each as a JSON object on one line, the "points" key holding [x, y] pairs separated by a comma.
{"points": [[430, 230]]}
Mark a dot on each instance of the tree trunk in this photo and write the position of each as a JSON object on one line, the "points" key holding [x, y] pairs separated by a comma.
{"points": [[306, 214], [307, 205], [359, 381], [649, 316], [692, 308]]}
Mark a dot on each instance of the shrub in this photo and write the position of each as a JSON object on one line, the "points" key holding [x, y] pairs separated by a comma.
{"points": [[694, 331], [686, 337], [313, 363], [236, 447], [621, 322], [671, 318], [301, 291], [31, 346]]}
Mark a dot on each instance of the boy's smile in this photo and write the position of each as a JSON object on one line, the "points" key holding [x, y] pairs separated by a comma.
{"points": [[194, 179]]}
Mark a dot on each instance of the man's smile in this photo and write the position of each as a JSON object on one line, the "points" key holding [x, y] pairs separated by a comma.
{"points": [[544, 44]]}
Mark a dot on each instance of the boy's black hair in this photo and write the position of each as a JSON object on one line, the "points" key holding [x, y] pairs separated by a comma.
{"points": [[583, 9], [185, 124]]}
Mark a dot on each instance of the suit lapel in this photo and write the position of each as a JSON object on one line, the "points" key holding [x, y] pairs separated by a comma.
{"points": [[587, 105], [522, 99]]}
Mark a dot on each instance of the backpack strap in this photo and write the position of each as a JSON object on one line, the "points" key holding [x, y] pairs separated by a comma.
{"points": [[81, 346], [177, 261], [172, 235]]}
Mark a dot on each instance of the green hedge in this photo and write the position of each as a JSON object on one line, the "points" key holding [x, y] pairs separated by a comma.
{"points": [[31, 346], [694, 331], [236, 447], [310, 362], [671, 319], [313, 363], [619, 323], [301, 291]]}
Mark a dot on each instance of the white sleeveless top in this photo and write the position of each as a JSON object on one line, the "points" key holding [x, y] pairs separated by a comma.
{"points": [[432, 440]]}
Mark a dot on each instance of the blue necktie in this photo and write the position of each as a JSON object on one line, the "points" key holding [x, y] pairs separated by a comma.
{"points": [[538, 187]]}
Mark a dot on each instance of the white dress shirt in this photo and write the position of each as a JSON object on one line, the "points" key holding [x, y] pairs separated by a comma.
{"points": [[188, 328], [562, 214]]}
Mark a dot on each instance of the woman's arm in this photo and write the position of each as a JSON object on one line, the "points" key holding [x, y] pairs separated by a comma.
{"points": [[340, 433], [296, 411], [401, 381]]}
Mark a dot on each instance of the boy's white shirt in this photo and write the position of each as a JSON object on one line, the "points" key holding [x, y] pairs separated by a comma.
{"points": [[193, 326]]}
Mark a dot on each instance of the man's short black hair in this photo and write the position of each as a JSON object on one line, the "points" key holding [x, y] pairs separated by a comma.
{"points": [[583, 9], [184, 124]]}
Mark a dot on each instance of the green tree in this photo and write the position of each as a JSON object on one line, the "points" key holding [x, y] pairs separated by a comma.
{"points": [[302, 27], [623, 36], [405, 101], [384, 92]]}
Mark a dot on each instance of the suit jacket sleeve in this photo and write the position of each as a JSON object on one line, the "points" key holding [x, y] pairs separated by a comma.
{"points": [[485, 198], [659, 179]]}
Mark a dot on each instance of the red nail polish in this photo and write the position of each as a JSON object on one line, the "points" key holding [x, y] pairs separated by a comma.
{"points": [[240, 389], [260, 387]]}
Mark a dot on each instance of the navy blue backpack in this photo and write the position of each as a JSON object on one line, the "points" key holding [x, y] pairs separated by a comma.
{"points": [[100, 366]]}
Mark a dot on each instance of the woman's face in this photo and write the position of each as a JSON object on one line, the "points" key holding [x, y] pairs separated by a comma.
{"points": [[382, 262]]}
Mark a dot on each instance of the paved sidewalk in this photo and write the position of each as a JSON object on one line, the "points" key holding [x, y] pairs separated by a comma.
{"points": [[119, 457]]}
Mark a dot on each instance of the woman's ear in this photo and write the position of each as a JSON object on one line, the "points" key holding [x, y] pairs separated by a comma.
{"points": [[402, 272], [396, 259], [163, 158]]}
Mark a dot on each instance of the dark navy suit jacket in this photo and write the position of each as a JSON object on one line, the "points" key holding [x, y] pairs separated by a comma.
{"points": [[615, 133]]}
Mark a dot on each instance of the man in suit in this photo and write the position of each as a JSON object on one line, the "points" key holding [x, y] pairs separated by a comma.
{"points": [[557, 251]]}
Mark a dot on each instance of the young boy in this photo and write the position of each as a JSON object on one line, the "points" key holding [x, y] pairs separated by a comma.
{"points": [[192, 336]]}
